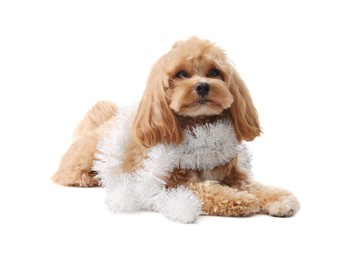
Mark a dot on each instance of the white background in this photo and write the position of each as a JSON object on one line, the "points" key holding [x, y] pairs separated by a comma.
{"points": [[57, 58]]}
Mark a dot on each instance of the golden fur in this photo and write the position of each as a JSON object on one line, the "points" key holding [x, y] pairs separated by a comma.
{"points": [[171, 103]]}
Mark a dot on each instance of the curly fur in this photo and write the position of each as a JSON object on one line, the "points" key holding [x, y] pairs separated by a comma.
{"points": [[174, 103]]}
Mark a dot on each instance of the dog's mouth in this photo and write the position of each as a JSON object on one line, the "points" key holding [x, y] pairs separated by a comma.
{"points": [[203, 101]]}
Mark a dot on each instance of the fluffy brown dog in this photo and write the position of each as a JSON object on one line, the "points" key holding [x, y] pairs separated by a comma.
{"points": [[193, 84]]}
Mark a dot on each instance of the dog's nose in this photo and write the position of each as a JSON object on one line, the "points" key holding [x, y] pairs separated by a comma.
{"points": [[202, 88]]}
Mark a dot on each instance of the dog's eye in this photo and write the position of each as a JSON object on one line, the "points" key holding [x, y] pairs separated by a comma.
{"points": [[181, 74], [213, 73]]}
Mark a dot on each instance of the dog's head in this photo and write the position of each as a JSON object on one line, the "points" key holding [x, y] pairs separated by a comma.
{"points": [[194, 79]]}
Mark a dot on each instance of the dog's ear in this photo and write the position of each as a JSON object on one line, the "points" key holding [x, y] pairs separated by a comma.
{"points": [[243, 112], [155, 122]]}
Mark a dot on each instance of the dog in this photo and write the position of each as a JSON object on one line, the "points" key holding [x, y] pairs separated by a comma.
{"points": [[193, 84]]}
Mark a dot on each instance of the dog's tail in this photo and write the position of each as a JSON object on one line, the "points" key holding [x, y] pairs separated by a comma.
{"points": [[100, 113]]}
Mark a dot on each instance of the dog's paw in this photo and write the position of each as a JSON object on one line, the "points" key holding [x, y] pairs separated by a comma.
{"points": [[89, 180], [286, 206], [78, 178]]}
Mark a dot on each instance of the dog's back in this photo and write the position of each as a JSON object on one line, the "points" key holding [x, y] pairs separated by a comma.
{"points": [[95, 117]]}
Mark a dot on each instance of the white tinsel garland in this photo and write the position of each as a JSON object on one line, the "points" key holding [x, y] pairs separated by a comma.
{"points": [[205, 147]]}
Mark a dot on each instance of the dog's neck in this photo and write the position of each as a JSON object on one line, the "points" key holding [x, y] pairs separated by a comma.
{"points": [[188, 122]]}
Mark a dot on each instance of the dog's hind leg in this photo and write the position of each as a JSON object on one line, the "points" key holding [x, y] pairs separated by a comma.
{"points": [[101, 112], [75, 168]]}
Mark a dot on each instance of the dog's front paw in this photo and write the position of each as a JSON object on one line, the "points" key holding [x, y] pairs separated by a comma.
{"points": [[286, 206], [179, 204]]}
